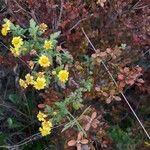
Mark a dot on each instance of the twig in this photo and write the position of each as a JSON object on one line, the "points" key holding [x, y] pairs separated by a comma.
{"points": [[113, 79], [75, 25], [60, 14]]}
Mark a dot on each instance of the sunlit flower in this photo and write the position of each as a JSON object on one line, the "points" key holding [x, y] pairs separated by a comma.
{"points": [[22, 83], [4, 31], [48, 44], [46, 124], [46, 128], [40, 83], [63, 75], [15, 51], [44, 132], [29, 79], [41, 116], [17, 41], [43, 27], [44, 61], [6, 28]]}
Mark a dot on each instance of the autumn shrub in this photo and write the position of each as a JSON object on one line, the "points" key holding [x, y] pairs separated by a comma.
{"points": [[75, 98]]}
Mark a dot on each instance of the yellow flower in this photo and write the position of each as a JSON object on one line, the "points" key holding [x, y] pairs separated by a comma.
{"points": [[44, 132], [7, 24], [22, 83], [40, 83], [63, 75], [43, 27], [47, 125], [29, 79], [46, 128], [15, 51], [44, 61], [41, 116], [17, 41], [6, 28], [48, 44], [4, 31]]}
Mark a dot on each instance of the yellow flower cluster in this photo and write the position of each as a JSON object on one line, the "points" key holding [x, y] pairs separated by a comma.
{"points": [[44, 61], [48, 44], [38, 84], [6, 28], [63, 75], [17, 42], [46, 127], [29, 81]]}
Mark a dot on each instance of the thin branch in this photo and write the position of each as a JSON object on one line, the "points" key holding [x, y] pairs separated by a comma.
{"points": [[60, 14], [113, 79], [76, 24]]}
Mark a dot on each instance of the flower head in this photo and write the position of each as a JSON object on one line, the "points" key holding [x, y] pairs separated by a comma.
{"points": [[48, 44], [41, 116], [44, 61], [22, 83], [40, 83], [46, 124], [17, 41], [44, 131], [43, 27], [4, 31], [63, 75], [29, 79], [46, 128], [15, 51], [6, 28]]}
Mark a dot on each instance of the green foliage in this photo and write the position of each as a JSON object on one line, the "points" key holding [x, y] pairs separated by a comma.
{"points": [[121, 139]]}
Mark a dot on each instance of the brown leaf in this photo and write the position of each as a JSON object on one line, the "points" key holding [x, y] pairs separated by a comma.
{"points": [[117, 98], [84, 141], [80, 135], [87, 118], [95, 123], [94, 114], [79, 146], [108, 100], [72, 143], [87, 127], [41, 106]]}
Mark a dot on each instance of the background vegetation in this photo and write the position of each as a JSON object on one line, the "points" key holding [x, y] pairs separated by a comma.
{"points": [[119, 30]]}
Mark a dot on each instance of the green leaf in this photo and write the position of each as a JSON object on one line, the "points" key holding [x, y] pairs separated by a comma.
{"points": [[87, 84], [33, 29], [14, 98], [49, 109], [10, 122], [55, 35]]}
